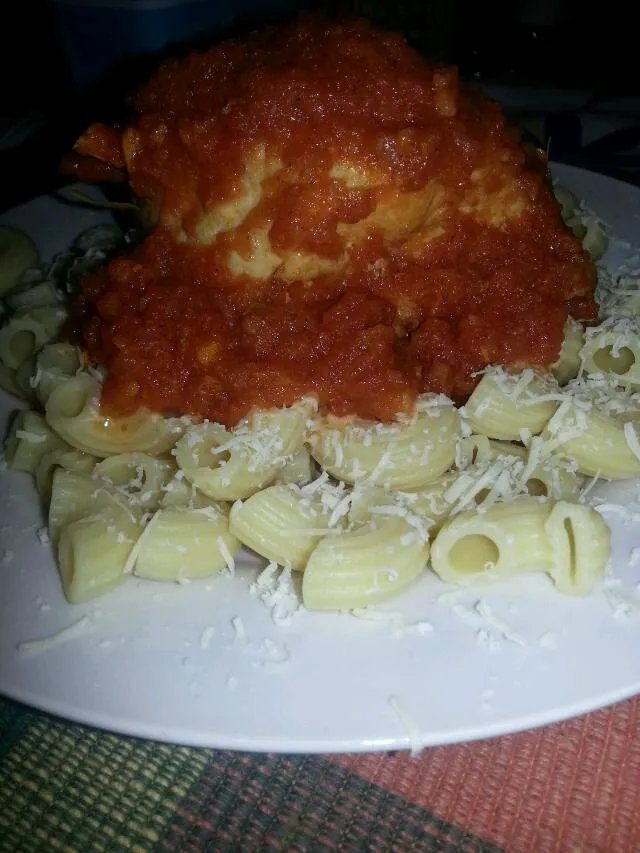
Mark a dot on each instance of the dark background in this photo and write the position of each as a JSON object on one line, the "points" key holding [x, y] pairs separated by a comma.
{"points": [[544, 47]]}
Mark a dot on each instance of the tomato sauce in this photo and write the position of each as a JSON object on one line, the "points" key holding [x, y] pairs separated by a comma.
{"points": [[333, 214]]}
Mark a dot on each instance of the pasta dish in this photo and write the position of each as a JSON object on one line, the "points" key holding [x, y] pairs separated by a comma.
{"points": [[358, 339]]}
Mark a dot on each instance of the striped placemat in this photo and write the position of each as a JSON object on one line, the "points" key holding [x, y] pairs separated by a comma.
{"points": [[573, 787]]}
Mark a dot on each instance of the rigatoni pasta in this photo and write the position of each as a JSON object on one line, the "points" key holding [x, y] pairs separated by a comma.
{"points": [[18, 253], [503, 405], [569, 362], [227, 465], [30, 437], [54, 363], [139, 476], [613, 348], [360, 509], [72, 411], [402, 456], [596, 442], [580, 547], [508, 539], [280, 524], [75, 495], [67, 458], [181, 544], [365, 566], [93, 552], [27, 331]]}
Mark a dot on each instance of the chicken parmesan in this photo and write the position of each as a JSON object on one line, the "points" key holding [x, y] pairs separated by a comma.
{"points": [[332, 214]]}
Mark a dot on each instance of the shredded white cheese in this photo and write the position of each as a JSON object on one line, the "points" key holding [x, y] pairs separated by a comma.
{"points": [[205, 637], [226, 555], [30, 437], [43, 535], [409, 725], [83, 626], [240, 631]]}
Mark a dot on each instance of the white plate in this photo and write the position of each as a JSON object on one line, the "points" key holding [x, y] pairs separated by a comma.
{"points": [[145, 662]]}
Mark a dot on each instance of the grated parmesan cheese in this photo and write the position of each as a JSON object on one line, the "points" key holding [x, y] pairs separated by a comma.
{"points": [[205, 637], [30, 437], [240, 631], [226, 555], [409, 724], [43, 535], [83, 626]]}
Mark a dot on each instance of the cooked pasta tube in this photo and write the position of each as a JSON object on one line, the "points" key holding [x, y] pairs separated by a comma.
{"points": [[569, 203], [69, 459], [75, 495], [479, 448], [503, 405], [178, 493], [507, 539], [499, 474], [30, 437], [54, 363], [364, 566], [93, 552], [589, 230], [139, 476], [27, 331], [184, 544], [552, 478], [30, 293], [72, 410], [598, 444], [422, 510], [403, 456], [8, 381], [279, 523], [17, 254], [23, 376], [299, 470], [431, 502], [569, 361], [614, 349], [484, 483], [231, 465], [595, 239], [619, 297], [580, 547]]}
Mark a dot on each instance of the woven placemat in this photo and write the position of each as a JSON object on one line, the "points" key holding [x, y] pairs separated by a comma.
{"points": [[568, 788]]}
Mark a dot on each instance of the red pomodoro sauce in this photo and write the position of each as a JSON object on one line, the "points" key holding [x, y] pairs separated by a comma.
{"points": [[429, 290]]}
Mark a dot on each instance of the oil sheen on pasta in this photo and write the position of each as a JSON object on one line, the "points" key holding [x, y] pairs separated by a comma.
{"points": [[333, 214]]}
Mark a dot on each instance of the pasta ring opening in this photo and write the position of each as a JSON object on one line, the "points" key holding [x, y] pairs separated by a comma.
{"points": [[537, 488], [474, 554], [122, 472], [619, 364], [205, 454]]}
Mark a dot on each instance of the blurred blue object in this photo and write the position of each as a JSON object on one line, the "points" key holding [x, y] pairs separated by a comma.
{"points": [[95, 34]]}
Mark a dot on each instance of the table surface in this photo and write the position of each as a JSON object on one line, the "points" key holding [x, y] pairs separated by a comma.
{"points": [[567, 788]]}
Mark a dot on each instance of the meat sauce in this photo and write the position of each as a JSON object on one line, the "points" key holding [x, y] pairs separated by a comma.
{"points": [[394, 236]]}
